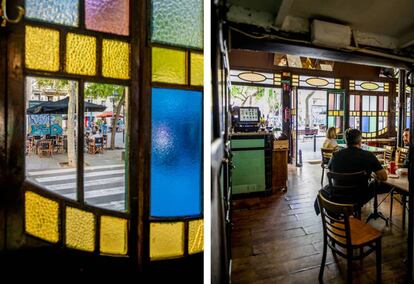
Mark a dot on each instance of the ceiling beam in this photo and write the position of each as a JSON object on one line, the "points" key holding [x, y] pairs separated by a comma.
{"points": [[283, 12]]}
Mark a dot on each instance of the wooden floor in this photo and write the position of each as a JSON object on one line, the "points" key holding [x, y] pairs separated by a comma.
{"points": [[278, 239]]}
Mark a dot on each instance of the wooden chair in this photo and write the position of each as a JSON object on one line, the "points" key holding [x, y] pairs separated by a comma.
{"points": [[400, 155], [96, 146], [344, 234], [387, 156], [326, 154], [58, 144], [45, 147]]}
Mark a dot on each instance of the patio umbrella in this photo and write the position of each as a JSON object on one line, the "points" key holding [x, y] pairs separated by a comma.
{"points": [[61, 107]]}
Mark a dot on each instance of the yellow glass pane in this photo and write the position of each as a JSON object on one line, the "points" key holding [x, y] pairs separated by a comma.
{"points": [[80, 54], [114, 232], [115, 59], [42, 49], [41, 217], [80, 229], [197, 68], [166, 240], [169, 66], [195, 236]]}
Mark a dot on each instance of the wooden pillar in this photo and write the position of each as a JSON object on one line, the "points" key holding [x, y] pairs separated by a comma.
{"points": [[345, 87], [286, 105], [402, 107]]}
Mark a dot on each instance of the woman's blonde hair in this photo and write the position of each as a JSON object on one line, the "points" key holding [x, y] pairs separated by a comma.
{"points": [[331, 133]]}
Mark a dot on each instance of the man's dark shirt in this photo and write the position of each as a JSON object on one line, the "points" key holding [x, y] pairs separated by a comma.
{"points": [[354, 159]]}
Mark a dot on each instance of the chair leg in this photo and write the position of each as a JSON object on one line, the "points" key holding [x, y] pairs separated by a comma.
{"points": [[325, 247], [391, 204], [404, 201], [378, 260], [349, 270], [323, 173]]}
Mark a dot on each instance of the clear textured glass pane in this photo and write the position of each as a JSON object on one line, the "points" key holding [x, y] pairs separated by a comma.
{"points": [[109, 16], [195, 236], [80, 229], [372, 103], [166, 240], [168, 66], [42, 49], [178, 22], [352, 122], [106, 139], [386, 103], [365, 103], [113, 237], [80, 54], [63, 12], [197, 69], [115, 59], [51, 134], [352, 102], [41, 217], [176, 152]]}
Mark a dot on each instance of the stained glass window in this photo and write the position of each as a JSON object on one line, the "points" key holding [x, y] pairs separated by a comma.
{"points": [[195, 236], [113, 235], [354, 111], [368, 86], [316, 82], [166, 240], [41, 217], [42, 49], [176, 152], [115, 59], [336, 110], [109, 16], [252, 77], [63, 12], [80, 54], [177, 22], [80, 229], [169, 66], [197, 69]]}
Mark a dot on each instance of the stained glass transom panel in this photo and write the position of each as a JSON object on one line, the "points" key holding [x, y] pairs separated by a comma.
{"points": [[80, 54], [115, 59], [80, 229], [113, 237], [42, 49], [316, 82], [109, 16], [166, 240], [176, 152], [169, 66], [368, 86], [197, 69], [253, 77], [195, 236], [63, 12], [178, 22], [41, 217]]}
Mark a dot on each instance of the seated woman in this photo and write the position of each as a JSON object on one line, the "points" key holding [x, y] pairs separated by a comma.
{"points": [[330, 141]]}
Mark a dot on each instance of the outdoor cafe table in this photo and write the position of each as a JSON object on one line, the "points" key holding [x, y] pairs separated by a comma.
{"points": [[372, 149]]}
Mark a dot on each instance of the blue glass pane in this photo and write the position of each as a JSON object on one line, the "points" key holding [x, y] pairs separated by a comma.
{"points": [[407, 123], [365, 124], [176, 152], [177, 22], [63, 12]]}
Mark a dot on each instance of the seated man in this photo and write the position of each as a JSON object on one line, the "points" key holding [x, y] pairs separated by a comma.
{"points": [[353, 159]]}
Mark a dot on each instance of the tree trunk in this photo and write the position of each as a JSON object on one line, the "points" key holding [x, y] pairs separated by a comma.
{"points": [[115, 121], [71, 124]]}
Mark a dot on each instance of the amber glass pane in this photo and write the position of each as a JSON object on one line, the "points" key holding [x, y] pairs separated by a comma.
{"points": [[80, 229], [110, 16], [114, 232], [115, 59], [195, 236], [42, 49], [197, 68], [168, 66], [41, 217], [80, 54], [166, 240]]}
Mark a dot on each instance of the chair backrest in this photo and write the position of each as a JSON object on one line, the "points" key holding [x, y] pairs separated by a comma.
{"points": [[347, 187], [335, 221], [326, 154], [98, 140], [389, 151], [400, 155]]}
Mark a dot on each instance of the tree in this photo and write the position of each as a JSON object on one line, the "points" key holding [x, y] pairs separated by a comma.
{"points": [[61, 87], [103, 91]]}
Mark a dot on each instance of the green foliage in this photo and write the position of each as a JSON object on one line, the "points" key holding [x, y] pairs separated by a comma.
{"points": [[244, 93], [103, 91], [53, 84]]}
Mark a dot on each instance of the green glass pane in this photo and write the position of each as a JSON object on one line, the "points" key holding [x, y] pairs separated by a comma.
{"points": [[331, 121], [177, 22], [372, 124]]}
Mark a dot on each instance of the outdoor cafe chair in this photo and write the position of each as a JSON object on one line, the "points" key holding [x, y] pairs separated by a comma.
{"points": [[96, 146], [45, 147], [347, 236]]}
